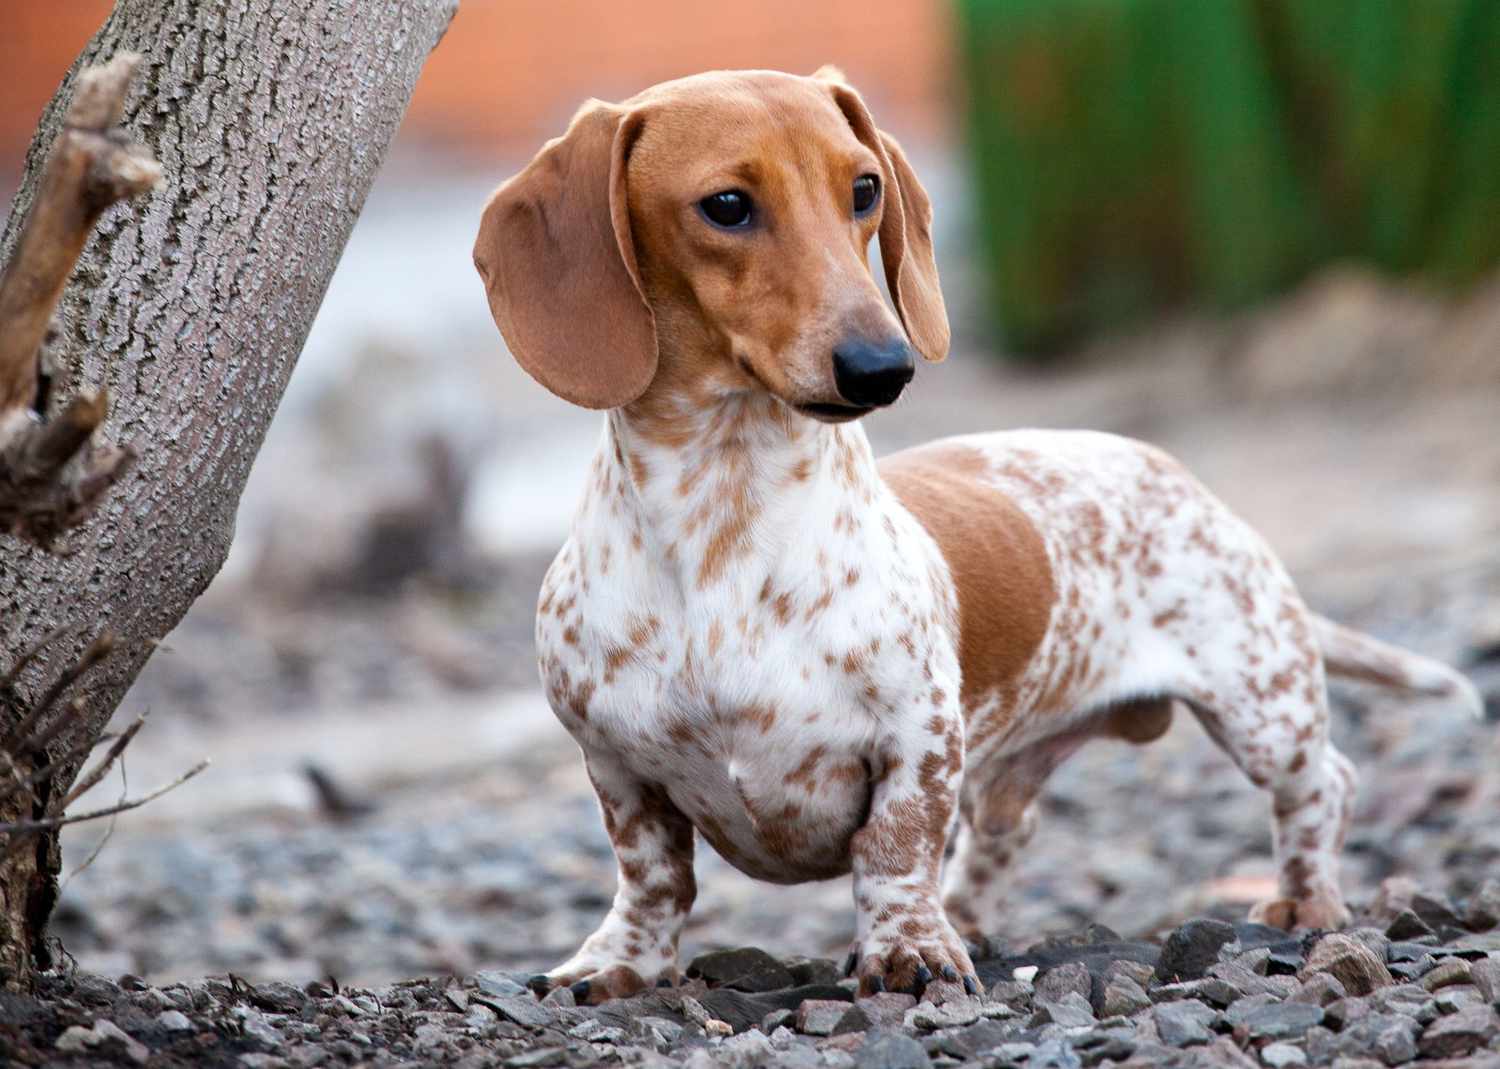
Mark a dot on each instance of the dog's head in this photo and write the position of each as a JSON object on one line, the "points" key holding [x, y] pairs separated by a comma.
{"points": [[709, 237]]}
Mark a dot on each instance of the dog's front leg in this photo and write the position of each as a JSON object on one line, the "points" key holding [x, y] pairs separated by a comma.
{"points": [[636, 945], [903, 938]]}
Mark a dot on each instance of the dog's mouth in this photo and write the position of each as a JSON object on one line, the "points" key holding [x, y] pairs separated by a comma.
{"points": [[829, 413]]}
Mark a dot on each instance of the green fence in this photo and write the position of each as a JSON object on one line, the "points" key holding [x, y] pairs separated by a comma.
{"points": [[1137, 154]]}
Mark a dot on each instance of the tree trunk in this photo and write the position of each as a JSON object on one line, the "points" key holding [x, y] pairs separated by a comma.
{"points": [[270, 119]]}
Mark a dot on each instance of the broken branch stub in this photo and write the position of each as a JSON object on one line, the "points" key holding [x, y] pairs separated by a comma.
{"points": [[91, 166]]}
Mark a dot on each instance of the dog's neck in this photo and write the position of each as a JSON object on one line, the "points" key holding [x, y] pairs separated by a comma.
{"points": [[707, 488]]}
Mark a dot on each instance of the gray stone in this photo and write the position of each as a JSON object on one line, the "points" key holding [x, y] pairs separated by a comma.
{"points": [[1123, 997], [1283, 1020], [1319, 989], [976, 1039], [498, 984], [1191, 949], [1407, 925], [1014, 1051], [174, 1021], [887, 1009], [1236, 1015], [1061, 979], [537, 1059], [805, 971], [1386, 1036], [76, 1039], [891, 1050], [777, 1019], [1408, 1000], [1348, 959], [744, 1051], [1458, 997], [1282, 1055], [1435, 910], [1483, 910], [853, 1020], [1485, 975], [949, 1015], [106, 1032], [1457, 1035], [1248, 982], [742, 969], [1054, 1054], [819, 1017], [1183, 1024], [522, 1010], [560, 998], [1072, 1010], [1209, 989], [1445, 974], [254, 1025]]}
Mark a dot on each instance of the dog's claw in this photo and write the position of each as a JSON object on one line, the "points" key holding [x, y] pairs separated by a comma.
{"points": [[850, 962], [664, 981], [922, 979], [951, 975], [877, 984], [539, 983], [971, 985], [580, 991]]}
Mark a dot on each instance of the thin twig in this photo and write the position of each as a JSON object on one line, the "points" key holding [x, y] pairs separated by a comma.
{"points": [[28, 783], [23, 828], [18, 739], [98, 772]]}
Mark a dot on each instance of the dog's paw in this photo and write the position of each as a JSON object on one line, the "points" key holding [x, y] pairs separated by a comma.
{"points": [[1322, 911], [936, 968], [593, 983]]}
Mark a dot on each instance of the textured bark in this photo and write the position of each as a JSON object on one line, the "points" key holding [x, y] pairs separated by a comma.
{"points": [[190, 306]]}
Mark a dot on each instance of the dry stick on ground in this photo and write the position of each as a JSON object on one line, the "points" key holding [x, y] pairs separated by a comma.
{"points": [[25, 746], [91, 167]]}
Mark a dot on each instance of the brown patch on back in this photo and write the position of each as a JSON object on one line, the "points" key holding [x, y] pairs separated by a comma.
{"points": [[996, 557]]}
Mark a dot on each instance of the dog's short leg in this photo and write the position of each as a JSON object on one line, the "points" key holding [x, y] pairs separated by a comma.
{"points": [[903, 938], [1281, 743], [636, 945], [998, 820]]}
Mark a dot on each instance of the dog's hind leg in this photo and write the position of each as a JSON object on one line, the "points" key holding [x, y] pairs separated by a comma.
{"points": [[1272, 720]]}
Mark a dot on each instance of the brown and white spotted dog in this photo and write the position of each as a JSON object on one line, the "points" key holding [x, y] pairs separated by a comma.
{"points": [[824, 663]]}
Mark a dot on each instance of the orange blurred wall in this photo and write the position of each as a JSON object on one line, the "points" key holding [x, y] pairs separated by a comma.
{"points": [[510, 73]]}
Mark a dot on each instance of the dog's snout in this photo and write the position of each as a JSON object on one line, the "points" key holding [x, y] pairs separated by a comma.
{"points": [[871, 374]]}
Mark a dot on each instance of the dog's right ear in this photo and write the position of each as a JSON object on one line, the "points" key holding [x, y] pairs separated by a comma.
{"points": [[558, 262]]}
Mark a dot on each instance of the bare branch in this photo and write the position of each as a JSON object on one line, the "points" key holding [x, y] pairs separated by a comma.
{"points": [[19, 739], [22, 829], [98, 772], [91, 167]]}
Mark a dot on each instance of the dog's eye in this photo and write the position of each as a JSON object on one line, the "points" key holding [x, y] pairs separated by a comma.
{"points": [[866, 193], [729, 209]]}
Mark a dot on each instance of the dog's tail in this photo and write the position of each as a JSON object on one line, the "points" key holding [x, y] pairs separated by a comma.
{"points": [[1355, 655]]}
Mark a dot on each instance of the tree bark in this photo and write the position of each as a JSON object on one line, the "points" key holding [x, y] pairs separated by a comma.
{"points": [[190, 306]]}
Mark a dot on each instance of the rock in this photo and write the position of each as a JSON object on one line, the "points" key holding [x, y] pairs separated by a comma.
{"points": [[1061, 979], [255, 1026], [1282, 1055], [888, 1009], [1483, 911], [953, 1014], [1407, 925], [1054, 1054], [693, 1010], [1014, 1051], [1457, 1035], [278, 997], [976, 1039], [174, 1021], [1191, 949], [1283, 1020], [1183, 1024], [1485, 975], [1025, 974], [1445, 974], [537, 1059], [1072, 1010], [1353, 963], [1123, 997], [107, 1032], [813, 971], [498, 984], [1319, 989], [1435, 910], [1210, 989], [777, 1019], [1458, 997], [891, 1050], [1248, 982], [76, 1039], [1391, 1039], [853, 1020], [522, 1010], [743, 969], [819, 1017], [1236, 1015], [560, 998], [1408, 1000], [714, 1027], [1395, 894]]}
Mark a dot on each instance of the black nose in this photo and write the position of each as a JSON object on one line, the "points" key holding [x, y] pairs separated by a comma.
{"points": [[870, 373]]}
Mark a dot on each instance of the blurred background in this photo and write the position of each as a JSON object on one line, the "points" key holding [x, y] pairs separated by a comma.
{"points": [[1265, 235]]}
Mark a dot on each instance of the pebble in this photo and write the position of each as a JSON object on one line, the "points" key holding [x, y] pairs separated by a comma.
{"points": [[819, 1017], [1460, 1033], [1445, 974], [1282, 1020], [1183, 1024], [1191, 948], [1485, 974], [891, 1050], [521, 1010], [951, 1014], [1123, 997], [1391, 1038], [1350, 961], [742, 969], [1060, 979], [1483, 910], [1282, 1055], [887, 1009], [174, 1021]]}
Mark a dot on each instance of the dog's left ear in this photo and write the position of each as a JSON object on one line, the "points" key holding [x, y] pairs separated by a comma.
{"points": [[905, 227]]}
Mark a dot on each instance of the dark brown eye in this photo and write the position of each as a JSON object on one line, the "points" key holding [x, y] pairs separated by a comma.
{"points": [[866, 193], [729, 209]]}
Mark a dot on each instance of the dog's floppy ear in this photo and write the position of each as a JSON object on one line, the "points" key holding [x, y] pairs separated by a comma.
{"points": [[905, 227], [558, 263]]}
